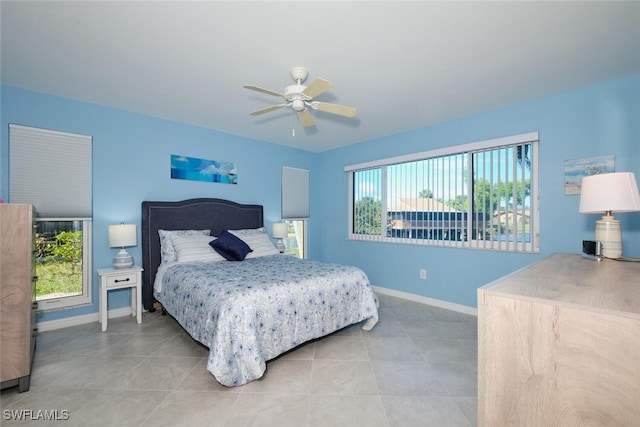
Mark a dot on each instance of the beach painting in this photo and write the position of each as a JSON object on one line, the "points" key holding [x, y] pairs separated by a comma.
{"points": [[195, 169], [576, 169]]}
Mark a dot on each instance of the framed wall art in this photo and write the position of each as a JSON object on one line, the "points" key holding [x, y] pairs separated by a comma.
{"points": [[576, 169], [195, 169]]}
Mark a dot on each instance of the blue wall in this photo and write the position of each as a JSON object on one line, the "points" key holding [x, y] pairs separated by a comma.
{"points": [[131, 160], [593, 121], [131, 164]]}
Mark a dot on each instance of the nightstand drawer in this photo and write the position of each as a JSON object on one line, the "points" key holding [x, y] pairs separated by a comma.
{"points": [[122, 279]]}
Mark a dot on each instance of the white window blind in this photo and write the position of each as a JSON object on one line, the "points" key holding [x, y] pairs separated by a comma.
{"points": [[295, 193], [51, 170]]}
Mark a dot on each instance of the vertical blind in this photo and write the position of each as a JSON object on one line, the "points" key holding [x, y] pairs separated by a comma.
{"points": [[51, 170], [295, 193], [480, 195]]}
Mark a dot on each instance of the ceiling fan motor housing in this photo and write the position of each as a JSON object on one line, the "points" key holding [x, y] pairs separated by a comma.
{"points": [[294, 95], [294, 92]]}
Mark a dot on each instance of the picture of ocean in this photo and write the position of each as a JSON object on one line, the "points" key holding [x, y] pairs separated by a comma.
{"points": [[195, 169]]}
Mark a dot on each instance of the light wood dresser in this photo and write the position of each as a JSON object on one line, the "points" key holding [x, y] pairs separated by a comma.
{"points": [[17, 293], [559, 345]]}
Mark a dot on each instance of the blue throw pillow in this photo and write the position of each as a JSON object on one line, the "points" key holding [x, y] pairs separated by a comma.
{"points": [[231, 247]]}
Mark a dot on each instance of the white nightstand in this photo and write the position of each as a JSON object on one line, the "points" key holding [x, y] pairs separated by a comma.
{"points": [[119, 278]]}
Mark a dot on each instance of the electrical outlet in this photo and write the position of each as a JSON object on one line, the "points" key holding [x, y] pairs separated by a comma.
{"points": [[423, 274]]}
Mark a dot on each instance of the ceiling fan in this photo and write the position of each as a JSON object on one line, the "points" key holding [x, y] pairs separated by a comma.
{"points": [[300, 98]]}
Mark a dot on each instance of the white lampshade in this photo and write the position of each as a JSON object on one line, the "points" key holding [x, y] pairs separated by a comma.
{"points": [[280, 230], [122, 235], [615, 192], [608, 193]]}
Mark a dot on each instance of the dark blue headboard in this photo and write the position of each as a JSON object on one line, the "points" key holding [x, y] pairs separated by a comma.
{"points": [[193, 214]]}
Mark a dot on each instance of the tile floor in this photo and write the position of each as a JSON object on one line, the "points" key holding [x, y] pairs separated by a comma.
{"points": [[417, 367]]}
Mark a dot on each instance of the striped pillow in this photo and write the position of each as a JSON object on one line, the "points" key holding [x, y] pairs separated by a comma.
{"points": [[258, 241], [167, 251], [195, 248]]}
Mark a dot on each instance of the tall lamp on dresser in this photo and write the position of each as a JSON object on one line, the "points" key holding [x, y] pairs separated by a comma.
{"points": [[606, 194]]}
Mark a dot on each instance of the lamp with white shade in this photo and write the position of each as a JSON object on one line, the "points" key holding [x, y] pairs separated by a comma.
{"points": [[121, 236], [608, 193], [280, 230]]}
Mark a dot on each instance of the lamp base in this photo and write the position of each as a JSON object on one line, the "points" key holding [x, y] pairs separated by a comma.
{"points": [[122, 259], [280, 246], [609, 234]]}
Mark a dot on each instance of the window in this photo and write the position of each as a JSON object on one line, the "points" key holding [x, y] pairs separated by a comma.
{"points": [[295, 208], [480, 195], [295, 242], [52, 171], [63, 263]]}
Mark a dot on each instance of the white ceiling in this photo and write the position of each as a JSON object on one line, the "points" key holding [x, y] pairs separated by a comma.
{"points": [[404, 65]]}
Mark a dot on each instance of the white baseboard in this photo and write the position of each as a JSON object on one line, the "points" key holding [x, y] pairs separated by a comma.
{"points": [[429, 301], [52, 325]]}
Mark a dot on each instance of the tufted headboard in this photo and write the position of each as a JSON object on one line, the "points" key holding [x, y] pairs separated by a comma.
{"points": [[193, 214]]}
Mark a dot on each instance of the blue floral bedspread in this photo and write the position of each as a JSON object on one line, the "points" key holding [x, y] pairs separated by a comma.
{"points": [[251, 311]]}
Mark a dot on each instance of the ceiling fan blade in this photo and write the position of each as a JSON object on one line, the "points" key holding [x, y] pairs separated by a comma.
{"points": [[340, 110], [317, 87], [268, 109], [306, 119], [263, 90]]}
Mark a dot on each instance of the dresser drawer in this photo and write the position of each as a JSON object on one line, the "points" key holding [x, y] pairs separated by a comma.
{"points": [[128, 279]]}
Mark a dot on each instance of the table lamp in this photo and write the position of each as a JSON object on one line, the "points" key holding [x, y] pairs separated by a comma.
{"points": [[121, 236], [607, 193], [280, 231]]}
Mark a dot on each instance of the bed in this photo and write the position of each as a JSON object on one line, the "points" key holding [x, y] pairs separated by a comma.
{"points": [[246, 312]]}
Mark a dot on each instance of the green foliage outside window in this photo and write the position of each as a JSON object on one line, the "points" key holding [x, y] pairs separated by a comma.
{"points": [[59, 265], [367, 218]]}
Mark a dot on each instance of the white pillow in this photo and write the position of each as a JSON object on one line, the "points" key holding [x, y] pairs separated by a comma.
{"points": [[248, 231], [195, 248], [259, 241]]}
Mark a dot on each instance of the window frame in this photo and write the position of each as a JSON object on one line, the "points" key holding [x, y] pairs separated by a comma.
{"points": [[533, 246], [58, 303], [35, 154], [302, 250]]}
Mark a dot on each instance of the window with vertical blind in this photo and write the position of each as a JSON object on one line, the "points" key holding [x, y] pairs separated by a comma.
{"points": [[480, 195], [52, 170]]}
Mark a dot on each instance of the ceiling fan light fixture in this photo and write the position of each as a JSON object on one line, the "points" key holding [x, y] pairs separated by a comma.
{"points": [[297, 104]]}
